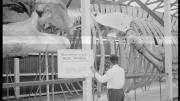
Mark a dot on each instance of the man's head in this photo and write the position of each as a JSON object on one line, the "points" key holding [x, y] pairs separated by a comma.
{"points": [[113, 59]]}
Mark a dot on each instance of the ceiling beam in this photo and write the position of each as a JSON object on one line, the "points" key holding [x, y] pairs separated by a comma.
{"points": [[130, 2], [121, 1], [147, 2], [154, 15], [110, 2], [68, 4], [153, 2], [172, 4], [157, 6]]}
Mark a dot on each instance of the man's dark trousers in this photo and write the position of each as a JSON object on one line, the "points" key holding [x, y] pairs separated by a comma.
{"points": [[116, 95]]}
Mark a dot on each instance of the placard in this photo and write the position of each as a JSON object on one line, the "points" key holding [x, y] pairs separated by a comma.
{"points": [[74, 63]]}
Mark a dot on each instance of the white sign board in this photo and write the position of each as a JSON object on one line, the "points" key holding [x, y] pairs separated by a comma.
{"points": [[74, 63]]}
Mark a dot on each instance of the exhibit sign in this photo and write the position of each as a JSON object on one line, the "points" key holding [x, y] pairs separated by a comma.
{"points": [[74, 63]]}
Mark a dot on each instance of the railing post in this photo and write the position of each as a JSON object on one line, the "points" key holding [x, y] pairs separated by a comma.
{"points": [[16, 76], [160, 87], [40, 62], [47, 76], [7, 79], [52, 73], [135, 88]]}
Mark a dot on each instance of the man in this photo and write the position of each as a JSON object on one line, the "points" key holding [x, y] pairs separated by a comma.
{"points": [[115, 78]]}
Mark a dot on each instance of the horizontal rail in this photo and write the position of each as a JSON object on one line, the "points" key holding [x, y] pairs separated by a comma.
{"points": [[42, 94], [44, 82], [50, 74], [130, 76], [29, 74]]}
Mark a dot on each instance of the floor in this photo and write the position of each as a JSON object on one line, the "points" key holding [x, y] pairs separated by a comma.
{"points": [[152, 94]]}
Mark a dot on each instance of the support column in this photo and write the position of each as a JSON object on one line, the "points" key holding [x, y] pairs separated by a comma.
{"points": [[168, 50], [40, 62], [16, 76], [52, 73], [86, 44], [47, 76]]}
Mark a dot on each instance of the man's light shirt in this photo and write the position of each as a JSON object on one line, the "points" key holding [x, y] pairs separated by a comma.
{"points": [[115, 77]]}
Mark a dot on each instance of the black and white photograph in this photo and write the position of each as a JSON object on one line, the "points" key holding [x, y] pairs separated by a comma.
{"points": [[90, 50]]}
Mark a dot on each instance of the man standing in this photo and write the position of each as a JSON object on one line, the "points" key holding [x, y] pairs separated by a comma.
{"points": [[115, 78]]}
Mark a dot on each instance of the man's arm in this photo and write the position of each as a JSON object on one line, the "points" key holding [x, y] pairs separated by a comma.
{"points": [[103, 78]]}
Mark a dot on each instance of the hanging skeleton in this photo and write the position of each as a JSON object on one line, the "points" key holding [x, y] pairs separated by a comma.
{"points": [[139, 46]]}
